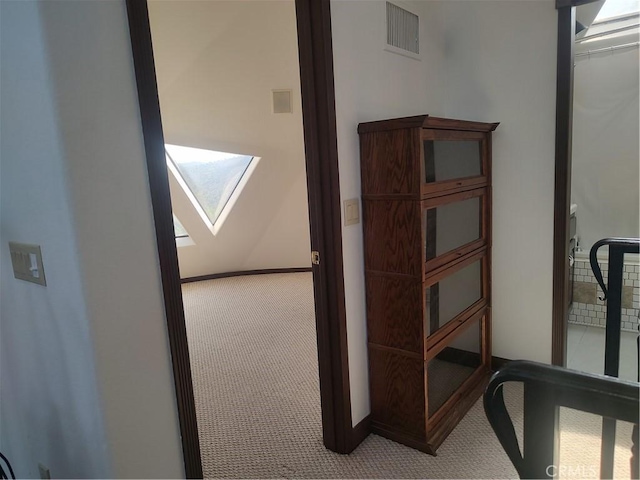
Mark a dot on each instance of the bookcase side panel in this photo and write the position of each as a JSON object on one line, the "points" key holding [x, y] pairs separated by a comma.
{"points": [[392, 236], [388, 162], [394, 312]]}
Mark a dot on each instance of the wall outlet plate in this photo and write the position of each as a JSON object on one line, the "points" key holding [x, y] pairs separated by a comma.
{"points": [[27, 262], [351, 211]]}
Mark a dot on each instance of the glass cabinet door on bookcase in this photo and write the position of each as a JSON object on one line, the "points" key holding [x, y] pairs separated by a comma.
{"points": [[454, 225], [453, 364], [454, 296], [426, 203], [452, 159]]}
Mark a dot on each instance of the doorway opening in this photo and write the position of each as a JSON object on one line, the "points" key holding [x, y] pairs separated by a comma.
{"points": [[320, 151], [604, 178], [597, 193]]}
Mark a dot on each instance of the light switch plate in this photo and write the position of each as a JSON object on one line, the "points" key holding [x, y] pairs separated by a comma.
{"points": [[351, 211], [27, 262]]}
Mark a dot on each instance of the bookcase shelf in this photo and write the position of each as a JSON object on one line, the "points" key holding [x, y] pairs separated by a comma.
{"points": [[426, 203]]}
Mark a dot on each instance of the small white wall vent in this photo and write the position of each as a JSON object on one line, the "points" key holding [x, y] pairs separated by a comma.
{"points": [[282, 101], [403, 29]]}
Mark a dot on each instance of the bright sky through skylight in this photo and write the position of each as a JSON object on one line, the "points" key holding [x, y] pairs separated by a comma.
{"points": [[615, 8], [190, 154], [211, 176]]}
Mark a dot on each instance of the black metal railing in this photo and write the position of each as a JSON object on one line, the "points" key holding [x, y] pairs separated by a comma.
{"points": [[546, 388], [612, 293], [618, 247]]}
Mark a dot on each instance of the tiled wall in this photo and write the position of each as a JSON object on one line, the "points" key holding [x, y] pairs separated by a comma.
{"points": [[588, 309]]}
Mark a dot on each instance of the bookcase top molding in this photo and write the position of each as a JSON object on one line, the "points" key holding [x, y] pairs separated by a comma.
{"points": [[426, 121]]}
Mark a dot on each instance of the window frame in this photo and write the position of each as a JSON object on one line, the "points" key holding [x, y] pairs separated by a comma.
{"points": [[215, 225]]}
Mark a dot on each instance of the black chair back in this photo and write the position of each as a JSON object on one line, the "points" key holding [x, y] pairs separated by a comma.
{"points": [[546, 388]]}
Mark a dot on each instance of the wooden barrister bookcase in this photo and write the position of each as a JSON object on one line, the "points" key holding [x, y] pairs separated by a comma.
{"points": [[426, 203]]}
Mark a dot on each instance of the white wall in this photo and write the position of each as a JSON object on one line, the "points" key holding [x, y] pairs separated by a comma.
{"points": [[501, 67], [90, 177], [490, 61], [50, 411], [86, 376], [373, 84], [92, 69], [604, 177], [216, 64]]}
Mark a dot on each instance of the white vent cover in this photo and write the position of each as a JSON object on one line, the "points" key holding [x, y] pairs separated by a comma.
{"points": [[402, 30], [282, 101]]}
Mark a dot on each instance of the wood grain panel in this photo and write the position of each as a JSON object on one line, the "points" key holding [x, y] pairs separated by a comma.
{"points": [[440, 428], [461, 125], [438, 431], [453, 197], [394, 312], [451, 135], [403, 353], [455, 265], [449, 409], [401, 268], [392, 236], [388, 162], [449, 187], [487, 359], [401, 437], [426, 121], [397, 392], [390, 196], [452, 256], [392, 124], [446, 334]]}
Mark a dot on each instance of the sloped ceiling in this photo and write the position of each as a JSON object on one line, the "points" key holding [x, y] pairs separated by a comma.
{"points": [[586, 14], [217, 63]]}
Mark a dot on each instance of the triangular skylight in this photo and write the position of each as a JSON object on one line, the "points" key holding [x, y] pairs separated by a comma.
{"points": [[211, 176], [616, 8]]}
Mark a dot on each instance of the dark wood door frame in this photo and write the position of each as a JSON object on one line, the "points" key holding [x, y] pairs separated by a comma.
{"points": [[321, 153], [319, 118], [562, 193]]}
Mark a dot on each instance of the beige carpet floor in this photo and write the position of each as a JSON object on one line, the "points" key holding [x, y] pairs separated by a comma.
{"points": [[254, 363]]}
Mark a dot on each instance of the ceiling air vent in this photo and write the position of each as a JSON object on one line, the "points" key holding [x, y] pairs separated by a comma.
{"points": [[402, 30]]}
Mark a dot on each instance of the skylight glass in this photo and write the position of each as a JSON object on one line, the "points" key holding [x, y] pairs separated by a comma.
{"points": [[178, 229], [211, 176], [615, 8]]}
